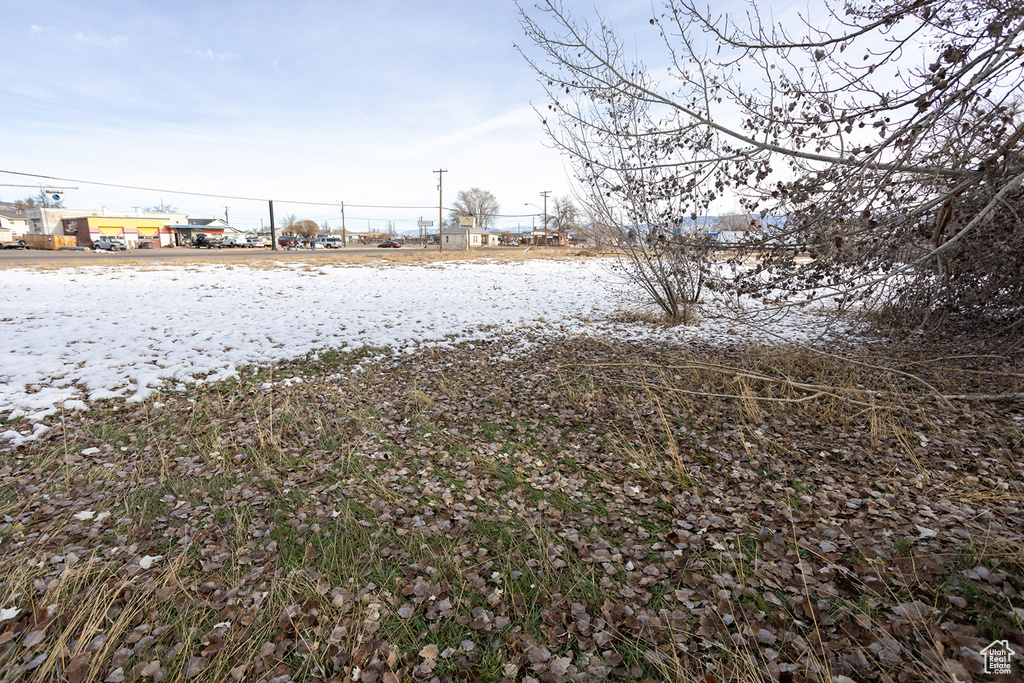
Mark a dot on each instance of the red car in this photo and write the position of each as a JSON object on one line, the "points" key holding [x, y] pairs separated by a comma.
{"points": [[388, 245]]}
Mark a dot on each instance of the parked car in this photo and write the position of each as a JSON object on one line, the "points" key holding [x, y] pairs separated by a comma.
{"points": [[328, 242], [256, 242], [232, 242], [16, 244], [109, 244], [287, 241], [389, 245], [206, 241]]}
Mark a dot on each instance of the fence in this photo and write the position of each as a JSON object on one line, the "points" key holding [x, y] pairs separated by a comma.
{"points": [[50, 241]]}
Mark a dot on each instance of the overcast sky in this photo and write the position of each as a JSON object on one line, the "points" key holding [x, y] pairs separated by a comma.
{"points": [[310, 100]]}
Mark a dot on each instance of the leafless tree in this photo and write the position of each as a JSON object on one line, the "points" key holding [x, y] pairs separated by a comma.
{"points": [[564, 216], [902, 175], [288, 224], [160, 208], [734, 222], [305, 228], [40, 200], [671, 262], [474, 202], [599, 230]]}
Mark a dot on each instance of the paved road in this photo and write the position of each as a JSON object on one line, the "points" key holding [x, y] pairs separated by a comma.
{"points": [[18, 257]]}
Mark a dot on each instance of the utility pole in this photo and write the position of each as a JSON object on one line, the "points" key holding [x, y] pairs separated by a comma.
{"points": [[440, 207], [226, 215], [545, 194], [273, 232], [344, 235]]}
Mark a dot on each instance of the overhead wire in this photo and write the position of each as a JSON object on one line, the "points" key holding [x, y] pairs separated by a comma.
{"points": [[211, 195]]}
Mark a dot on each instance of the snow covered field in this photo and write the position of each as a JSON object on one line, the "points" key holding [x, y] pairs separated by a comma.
{"points": [[73, 335]]}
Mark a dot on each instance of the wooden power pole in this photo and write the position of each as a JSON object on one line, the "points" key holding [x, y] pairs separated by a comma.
{"points": [[440, 207]]}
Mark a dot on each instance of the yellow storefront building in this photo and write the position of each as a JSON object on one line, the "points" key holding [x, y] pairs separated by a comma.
{"points": [[146, 233]]}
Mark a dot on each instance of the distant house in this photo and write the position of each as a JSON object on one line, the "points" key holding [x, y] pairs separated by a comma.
{"points": [[13, 223], [509, 238], [478, 237], [578, 237], [542, 237], [367, 237]]}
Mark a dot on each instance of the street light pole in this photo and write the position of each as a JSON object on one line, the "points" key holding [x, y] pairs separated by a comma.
{"points": [[545, 194], [533, 217]]}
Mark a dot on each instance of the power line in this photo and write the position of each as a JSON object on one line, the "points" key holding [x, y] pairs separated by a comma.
{"points": [[206, 194]]}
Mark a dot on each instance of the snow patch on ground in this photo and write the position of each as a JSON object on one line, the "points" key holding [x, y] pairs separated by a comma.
{"points": [[73, 336]]}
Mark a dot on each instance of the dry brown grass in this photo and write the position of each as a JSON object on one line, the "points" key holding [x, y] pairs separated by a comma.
{"points": [[680, 514], [266, 259]]}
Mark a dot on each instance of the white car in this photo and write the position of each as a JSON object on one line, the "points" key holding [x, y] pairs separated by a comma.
{"points": [[325, 242]]}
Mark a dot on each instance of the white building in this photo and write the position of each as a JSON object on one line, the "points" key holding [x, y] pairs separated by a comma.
{"points": [[13, 223], [478, 237]]}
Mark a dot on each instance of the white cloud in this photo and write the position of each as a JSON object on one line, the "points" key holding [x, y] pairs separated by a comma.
{"points": [[210, 54], [518, 118], [102, 41], [79, 36]]}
